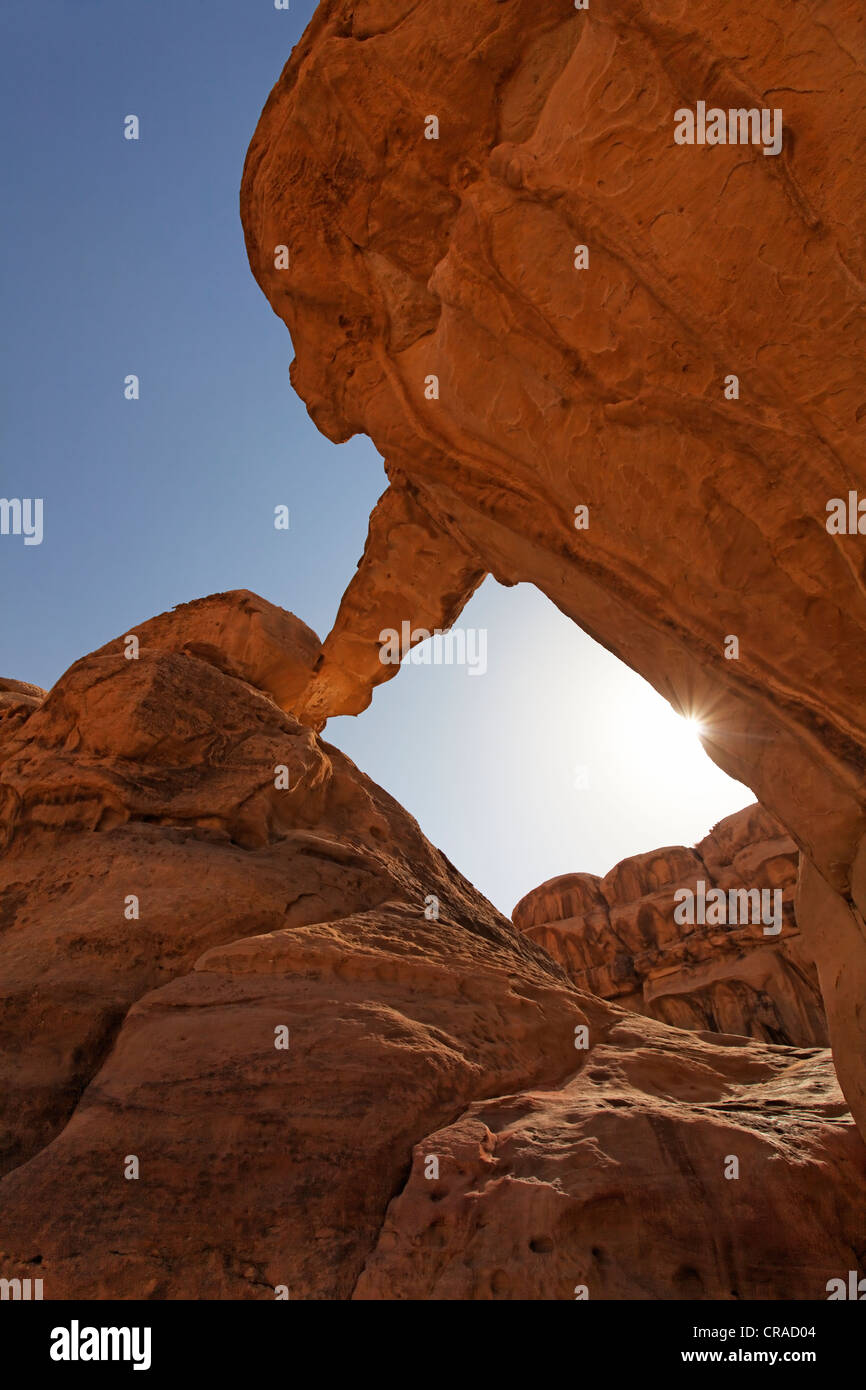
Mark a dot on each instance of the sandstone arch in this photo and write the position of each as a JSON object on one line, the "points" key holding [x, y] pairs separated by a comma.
{"points": [[601, 387]]}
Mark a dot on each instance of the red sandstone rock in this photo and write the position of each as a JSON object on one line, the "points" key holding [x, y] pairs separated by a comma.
{"points": [[604, 387], [436, 577], [412, 1009], [302, 906], [619, 936], [257, 906], [239, 633], [614, 1185], [19, 695]]}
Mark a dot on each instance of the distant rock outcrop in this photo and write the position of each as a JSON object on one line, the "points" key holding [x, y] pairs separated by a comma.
{"points": [[618, 936]]}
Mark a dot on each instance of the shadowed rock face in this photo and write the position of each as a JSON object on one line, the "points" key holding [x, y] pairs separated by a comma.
{"points": [[619, 936], [557, 388], [186, 871]]}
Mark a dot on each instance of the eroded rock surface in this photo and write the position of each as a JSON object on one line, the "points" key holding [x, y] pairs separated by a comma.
{"points": [[242, 635], [189, 876], [622, 1183], [185, 869], [17, 699], [619, 937], [434, 303]]}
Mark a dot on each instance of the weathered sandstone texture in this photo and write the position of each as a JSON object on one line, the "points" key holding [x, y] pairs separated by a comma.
{"points": [[19, 696], [556, 387], [612, 1184], [239, 633], [186, 871], [618, 936]]}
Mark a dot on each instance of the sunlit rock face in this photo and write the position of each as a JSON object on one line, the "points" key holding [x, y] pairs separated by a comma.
{"points": [[439, 300], [623, 937], [259, 1037], [238, 632]]}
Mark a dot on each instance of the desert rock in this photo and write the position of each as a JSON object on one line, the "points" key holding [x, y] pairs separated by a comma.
{"points": [[19, 695], [239, 633], [668, 1168], [185, 871], [240, 990], [440, 301], [618, 936]]}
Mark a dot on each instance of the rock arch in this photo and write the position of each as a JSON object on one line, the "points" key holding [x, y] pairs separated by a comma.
{"points": [[601, 387]]}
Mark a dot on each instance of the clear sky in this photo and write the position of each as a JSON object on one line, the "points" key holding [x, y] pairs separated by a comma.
{"points": [[127, 257]]}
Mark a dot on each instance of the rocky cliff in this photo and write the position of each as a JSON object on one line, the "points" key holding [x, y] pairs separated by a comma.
{"points": [[620, 936], [624, 369], [258, 1036]]}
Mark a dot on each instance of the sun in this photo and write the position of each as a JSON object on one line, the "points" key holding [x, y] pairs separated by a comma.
{"points": [[668, 733]]}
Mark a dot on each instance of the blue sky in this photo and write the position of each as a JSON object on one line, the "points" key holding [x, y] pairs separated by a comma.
{"points": [[128, 257]]}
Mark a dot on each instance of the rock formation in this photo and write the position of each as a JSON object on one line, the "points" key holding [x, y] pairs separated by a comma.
{"points": [[239, 633], [256, 1033], [619, 937], [435, 171], [185, 870], [243, 1003], [19, 695], [612, 1186]]}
